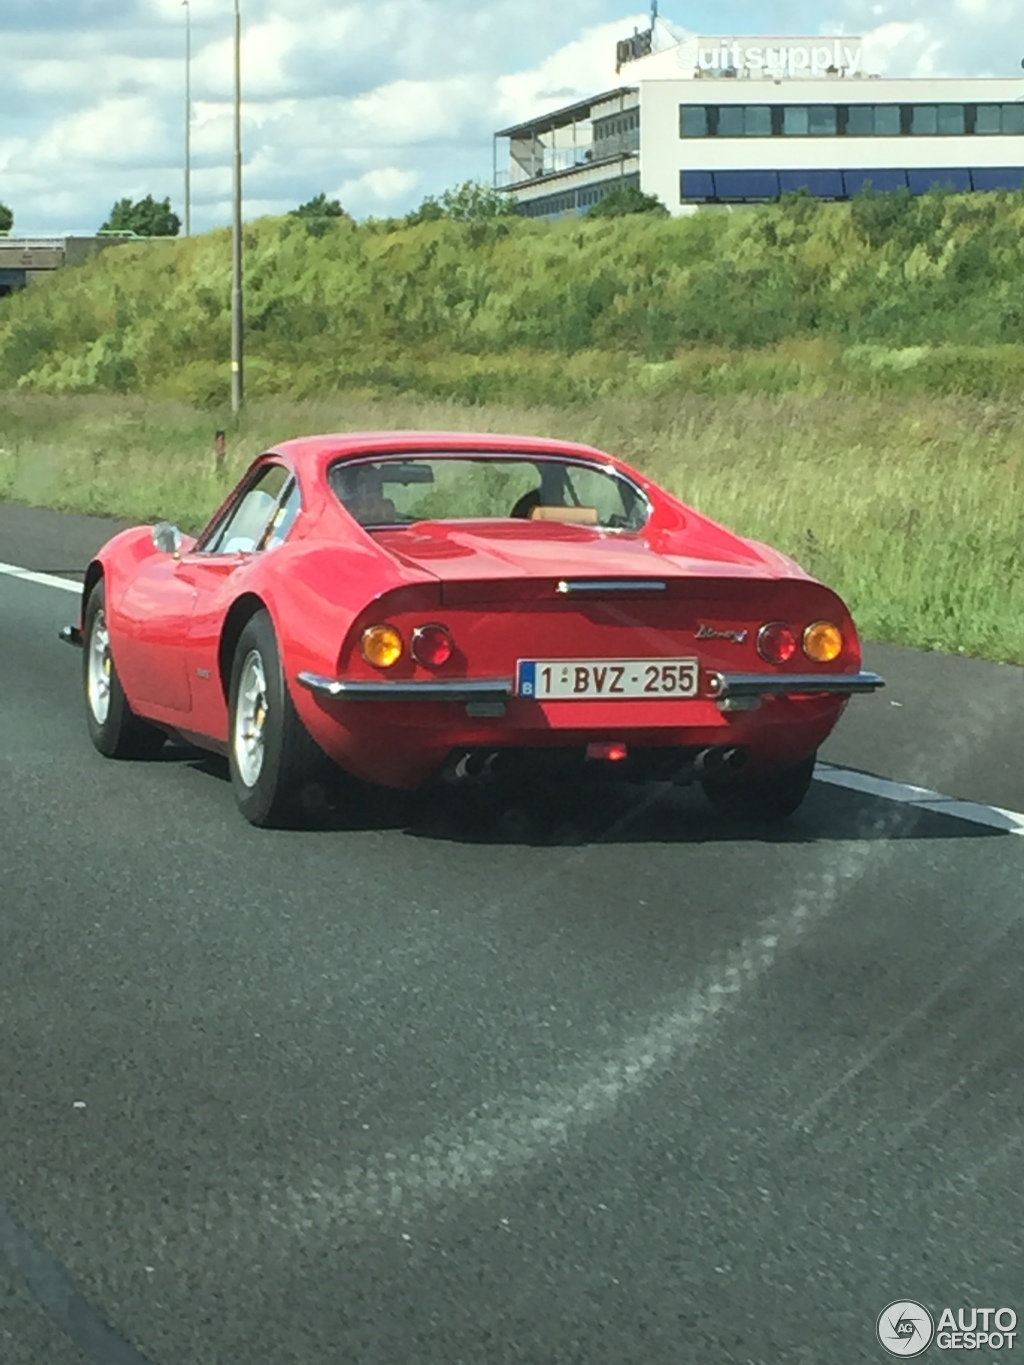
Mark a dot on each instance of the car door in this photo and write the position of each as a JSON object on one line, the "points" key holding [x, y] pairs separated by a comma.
{"points": [[259, 519]]}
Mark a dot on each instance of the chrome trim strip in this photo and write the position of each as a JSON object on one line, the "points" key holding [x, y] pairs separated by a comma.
{"points": [[722, 685], [71, 635], [571, 585], [467, 689]]}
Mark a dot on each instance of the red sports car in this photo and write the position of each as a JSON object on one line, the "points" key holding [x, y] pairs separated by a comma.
{"points": [[414, 605]]}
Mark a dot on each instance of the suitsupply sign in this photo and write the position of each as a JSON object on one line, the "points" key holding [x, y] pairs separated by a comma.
{"points": [[777, 56]]}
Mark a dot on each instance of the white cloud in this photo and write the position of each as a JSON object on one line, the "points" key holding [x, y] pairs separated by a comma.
{"points": [[384, 102]]}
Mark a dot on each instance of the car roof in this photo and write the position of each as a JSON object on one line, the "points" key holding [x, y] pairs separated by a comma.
{"points": [[316, 452]]}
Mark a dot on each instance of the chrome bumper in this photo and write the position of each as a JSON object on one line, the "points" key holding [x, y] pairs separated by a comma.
{"points": [[721, 687], [71, 635], [726, 686], [473, 689]]}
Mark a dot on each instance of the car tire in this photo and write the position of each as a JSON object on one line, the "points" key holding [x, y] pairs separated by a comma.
{"points": [[277, 768], [114, 728], [772, 797]]}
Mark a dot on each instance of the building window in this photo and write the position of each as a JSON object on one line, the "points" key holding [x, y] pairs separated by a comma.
{"points": [[989, 119], [694, 121], [821, 120], [924, 119], [740, 120], [853, 120], [951, 119], [810, 120], [887, 120]]}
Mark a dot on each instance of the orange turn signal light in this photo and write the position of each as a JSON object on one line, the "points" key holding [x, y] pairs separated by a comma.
{"points": [[823, 642], [381, 646]]}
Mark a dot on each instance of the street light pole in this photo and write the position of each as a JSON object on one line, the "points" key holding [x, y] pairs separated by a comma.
{"points": [[188, 118], [237, 386]]}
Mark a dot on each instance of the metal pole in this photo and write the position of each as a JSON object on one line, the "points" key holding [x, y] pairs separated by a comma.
{"points": [[188, 118], [237, 386]]}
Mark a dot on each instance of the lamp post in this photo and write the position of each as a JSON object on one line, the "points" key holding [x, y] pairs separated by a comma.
{"points": [[237, 386], [188, 118]]}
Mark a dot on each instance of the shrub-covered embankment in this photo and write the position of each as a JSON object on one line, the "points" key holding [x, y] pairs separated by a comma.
{"points": [[887, 294]]}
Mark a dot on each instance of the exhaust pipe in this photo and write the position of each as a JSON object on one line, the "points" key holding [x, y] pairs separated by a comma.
{"points": [[734, 759], [471, 765], [707, 761]]}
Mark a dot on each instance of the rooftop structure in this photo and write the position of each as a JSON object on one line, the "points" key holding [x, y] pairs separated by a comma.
{"points": [[730, 121]]}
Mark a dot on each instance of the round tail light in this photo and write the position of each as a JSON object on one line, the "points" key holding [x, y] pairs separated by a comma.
{"points": [[823, 642], [776, 642], [382, 646], [432, 645]]}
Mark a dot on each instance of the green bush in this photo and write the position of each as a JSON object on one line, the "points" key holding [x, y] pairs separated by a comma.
{"points": [[441, 305]]}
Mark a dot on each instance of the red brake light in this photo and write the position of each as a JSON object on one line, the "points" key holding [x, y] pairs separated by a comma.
{"points": [[776, 642], [432, 645], [611, 751]]}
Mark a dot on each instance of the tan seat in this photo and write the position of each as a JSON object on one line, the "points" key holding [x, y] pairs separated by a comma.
{"points": [[575, 516]]}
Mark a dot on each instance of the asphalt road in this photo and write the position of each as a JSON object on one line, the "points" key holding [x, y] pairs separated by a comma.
{"points": [[632, 1088]]}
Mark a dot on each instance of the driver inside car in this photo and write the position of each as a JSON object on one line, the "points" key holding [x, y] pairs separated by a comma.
{"points": [[362, 492]]}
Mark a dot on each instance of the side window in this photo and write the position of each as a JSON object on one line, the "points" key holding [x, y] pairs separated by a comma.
{"points": [[618, 504], [246, 521], [284, 517]]}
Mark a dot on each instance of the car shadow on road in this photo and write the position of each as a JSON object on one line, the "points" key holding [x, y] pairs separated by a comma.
{"points": [[634, 815], [574, 814]]}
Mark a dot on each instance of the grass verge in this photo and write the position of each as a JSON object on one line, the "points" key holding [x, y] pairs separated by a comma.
{"points": [[910, 507]]}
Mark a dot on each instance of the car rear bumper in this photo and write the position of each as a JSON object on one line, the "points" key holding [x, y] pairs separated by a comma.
{"points": [[464, 689], [720, 687], [725, 687], [404, 745]]}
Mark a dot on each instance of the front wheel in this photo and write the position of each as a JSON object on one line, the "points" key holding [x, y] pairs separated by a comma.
{"points": [[114, 728], [275, 764], [772, 797]]}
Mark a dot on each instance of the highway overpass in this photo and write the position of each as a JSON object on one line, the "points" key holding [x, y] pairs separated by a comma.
{"points": [[23, 259]]}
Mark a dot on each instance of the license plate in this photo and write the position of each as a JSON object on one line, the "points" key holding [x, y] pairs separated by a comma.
{"points": [[586, 679]]}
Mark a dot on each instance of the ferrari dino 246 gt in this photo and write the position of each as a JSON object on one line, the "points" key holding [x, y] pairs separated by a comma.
{"points": [[415, 605]]}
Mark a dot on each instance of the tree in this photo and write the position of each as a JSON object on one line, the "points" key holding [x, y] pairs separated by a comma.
{"points": [[319, 213], [627, 200], [6, 219], [471, 202], [146, 218]]}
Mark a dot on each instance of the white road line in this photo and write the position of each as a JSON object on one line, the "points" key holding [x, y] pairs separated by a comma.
{"points": [[48, 580], [1010, 821]]}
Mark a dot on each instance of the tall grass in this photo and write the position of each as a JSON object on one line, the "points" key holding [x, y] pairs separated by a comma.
{"points": [[909, 507], [887, 294]]}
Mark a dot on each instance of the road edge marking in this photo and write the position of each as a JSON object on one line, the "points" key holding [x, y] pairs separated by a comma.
{"points": [[47, 580], [1008, 821]]}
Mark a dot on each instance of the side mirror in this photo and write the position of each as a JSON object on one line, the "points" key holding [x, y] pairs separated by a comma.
{"points": [[167, 538]]}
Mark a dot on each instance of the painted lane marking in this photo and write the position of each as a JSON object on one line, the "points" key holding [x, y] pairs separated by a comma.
{"points": [[55, 1290], [48, 580], [1009, 821], [994, 817]]}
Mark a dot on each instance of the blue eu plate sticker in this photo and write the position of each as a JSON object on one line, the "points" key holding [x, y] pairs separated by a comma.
{"points": [[527, 679]]}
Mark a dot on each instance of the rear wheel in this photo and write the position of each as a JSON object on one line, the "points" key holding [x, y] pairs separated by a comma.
{"points": [[772, 797], [114, 728], [276, 766]]}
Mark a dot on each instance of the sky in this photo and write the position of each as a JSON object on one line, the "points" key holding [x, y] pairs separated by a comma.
{"points": [[377, 105]]}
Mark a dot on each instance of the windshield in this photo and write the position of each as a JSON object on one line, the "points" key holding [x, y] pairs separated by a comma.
{"points": [[400, 489]]}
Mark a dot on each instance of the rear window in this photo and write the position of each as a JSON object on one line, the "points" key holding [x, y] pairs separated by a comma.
{"points": [[399, 490]]}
